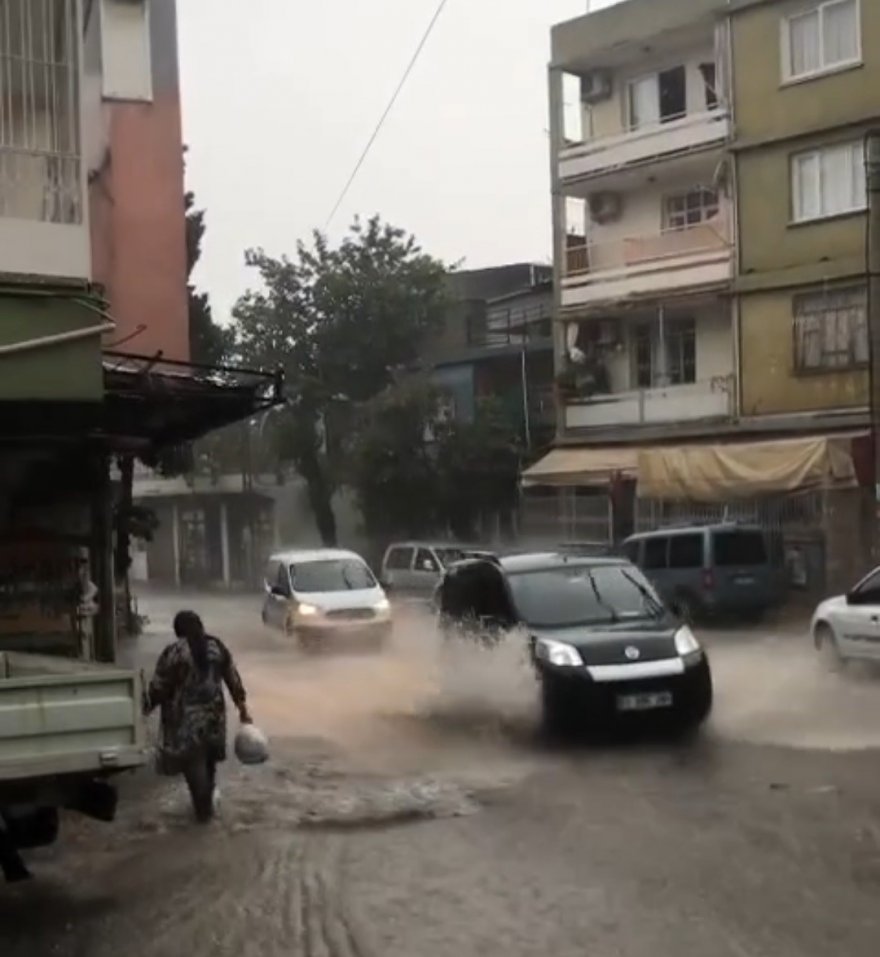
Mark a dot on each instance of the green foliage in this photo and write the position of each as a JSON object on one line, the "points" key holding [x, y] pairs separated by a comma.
{"points": [[417, 476], [341, 321]]}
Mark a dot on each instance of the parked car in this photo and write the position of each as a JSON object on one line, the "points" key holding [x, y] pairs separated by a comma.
{"points": [[847, 626], [718, 570], [602, 642], [413, 569], [318, 595]]}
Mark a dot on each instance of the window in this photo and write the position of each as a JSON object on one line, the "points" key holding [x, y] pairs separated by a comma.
{"points": [[823, 37], [126, 58], [330, 575], [657, 98], [867, 592], [282, 582], [739, 548], [425, 561], [686, 551], [831, 329], [680, 341], [710, 81], [828, 182], [655, 553], [691, 208], [399, 559]]}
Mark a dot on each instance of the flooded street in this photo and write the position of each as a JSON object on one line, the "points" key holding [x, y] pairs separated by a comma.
{"points": [[411, 808]]}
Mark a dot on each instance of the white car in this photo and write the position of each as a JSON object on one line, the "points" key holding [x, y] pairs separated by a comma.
{"points": [[848, 626], [317, 595]]}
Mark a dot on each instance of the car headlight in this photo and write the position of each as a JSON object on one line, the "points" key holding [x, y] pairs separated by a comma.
{"points": [[382, 605], [686, 643], [558, 653], [306, 610]]}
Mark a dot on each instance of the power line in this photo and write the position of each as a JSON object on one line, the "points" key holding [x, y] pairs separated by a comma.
{"points": [[388, 110]]}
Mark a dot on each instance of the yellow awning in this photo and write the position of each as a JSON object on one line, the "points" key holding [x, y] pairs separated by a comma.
{"points": [[582, 466], [718, 473]]}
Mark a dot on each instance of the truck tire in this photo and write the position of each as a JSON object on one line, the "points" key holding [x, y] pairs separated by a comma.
{"points": [[37, 827]]}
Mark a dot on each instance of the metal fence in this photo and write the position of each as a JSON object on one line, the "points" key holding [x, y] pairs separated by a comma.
{"points": [[564, 515]]}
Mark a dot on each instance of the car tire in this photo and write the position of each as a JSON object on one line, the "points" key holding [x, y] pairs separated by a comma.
{"points": [[826, 645]]}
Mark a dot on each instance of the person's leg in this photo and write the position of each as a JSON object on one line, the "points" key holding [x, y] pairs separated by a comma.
{"points": [[200, 789], [11, 864]]}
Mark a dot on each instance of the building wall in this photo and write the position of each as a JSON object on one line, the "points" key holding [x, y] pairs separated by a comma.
{"points": [[137, 199], [767, 107], [770, 384], [775, 251]]}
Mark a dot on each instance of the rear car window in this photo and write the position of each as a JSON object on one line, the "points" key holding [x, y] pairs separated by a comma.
{"points": [[425, 561], [399, 559], [686, 551], [739, 548]]}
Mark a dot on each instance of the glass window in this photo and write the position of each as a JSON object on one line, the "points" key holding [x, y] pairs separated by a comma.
{"points": [[690, 208], [681, 352], [657, 98], [686, 551], [828, 182], [868, 591], [400, 559], [831, 329], [583, 594], [739, 548], [823, 37], [655, 552], [425, 561], [328, 575]]}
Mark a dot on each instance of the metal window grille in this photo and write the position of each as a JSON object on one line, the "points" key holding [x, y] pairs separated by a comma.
{"points": [[831, 329], [40, 151]]}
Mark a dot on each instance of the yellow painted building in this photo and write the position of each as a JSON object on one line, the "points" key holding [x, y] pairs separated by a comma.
{"points": [[806, 89]]}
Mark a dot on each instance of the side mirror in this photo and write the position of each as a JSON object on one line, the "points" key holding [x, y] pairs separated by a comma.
{"points": [[279, 592], [677, 610], [851, 598]]}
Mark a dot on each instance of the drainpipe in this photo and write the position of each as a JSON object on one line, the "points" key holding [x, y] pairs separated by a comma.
{"points": [[872, 159], [44, 341]]}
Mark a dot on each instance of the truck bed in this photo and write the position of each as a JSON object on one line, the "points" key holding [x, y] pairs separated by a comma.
{"points": [[61, 716]]}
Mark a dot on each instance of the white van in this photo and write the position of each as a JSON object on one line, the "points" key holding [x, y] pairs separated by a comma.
{"points": [[317, 595]]}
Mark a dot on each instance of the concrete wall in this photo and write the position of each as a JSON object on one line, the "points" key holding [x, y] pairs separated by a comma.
{"points": [[767, 108], [137, 202], [769, 382], [770, 243]]}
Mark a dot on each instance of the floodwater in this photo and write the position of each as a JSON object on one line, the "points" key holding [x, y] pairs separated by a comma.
{"points": [[412, 807]]}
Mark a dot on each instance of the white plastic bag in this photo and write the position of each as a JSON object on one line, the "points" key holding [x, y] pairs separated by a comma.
{"points": [[251, 745]]}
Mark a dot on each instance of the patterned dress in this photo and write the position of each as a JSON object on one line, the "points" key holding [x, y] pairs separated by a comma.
{"points": [[193, 710]]}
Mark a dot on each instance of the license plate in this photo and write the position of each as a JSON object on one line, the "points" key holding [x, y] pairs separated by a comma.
{"points": [[644, 702]]}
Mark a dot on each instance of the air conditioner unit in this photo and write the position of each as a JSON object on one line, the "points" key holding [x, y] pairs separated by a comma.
{"points": [[596, 86], [605, 207]]}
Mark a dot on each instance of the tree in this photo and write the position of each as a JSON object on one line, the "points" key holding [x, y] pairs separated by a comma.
{"points": [[417, 475], [341, 321], [209, 343]]}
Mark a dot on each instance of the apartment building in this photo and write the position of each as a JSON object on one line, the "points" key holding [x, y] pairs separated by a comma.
{"points": [[93, 304], [712, 331], [643, 220]]}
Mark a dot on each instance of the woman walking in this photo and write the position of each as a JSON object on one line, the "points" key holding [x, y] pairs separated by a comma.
{"points": [[188, 689]]}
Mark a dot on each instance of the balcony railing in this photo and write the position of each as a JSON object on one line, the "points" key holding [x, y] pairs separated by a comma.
{"points": [[690, 402], [635, 251], [674, 135]]}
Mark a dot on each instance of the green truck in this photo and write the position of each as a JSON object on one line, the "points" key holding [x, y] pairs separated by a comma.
{"points": [[67, 728]]}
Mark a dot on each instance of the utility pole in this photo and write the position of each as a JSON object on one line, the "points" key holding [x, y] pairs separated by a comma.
{"points": [[872, 162]]}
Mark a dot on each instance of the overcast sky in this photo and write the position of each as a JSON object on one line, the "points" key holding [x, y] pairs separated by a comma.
{"points": [[280, 97]]}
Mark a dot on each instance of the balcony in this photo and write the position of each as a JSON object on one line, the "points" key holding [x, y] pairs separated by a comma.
{"points": [[680, 136], [648, 265], [522, 326], [43, 228], [693, 402]]}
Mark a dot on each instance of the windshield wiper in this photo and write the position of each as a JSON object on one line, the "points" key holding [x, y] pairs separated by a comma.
{"points": [[658, 610], [602, 603]]}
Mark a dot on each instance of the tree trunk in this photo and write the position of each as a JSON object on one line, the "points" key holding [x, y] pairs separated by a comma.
{"points": [[320, 497]]}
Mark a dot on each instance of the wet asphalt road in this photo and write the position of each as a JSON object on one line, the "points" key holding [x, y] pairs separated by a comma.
{"points": [[410, 808]]}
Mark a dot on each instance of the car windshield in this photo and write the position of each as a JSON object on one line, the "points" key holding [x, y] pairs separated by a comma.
{"points": [[335, 574], [584, 595]]}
